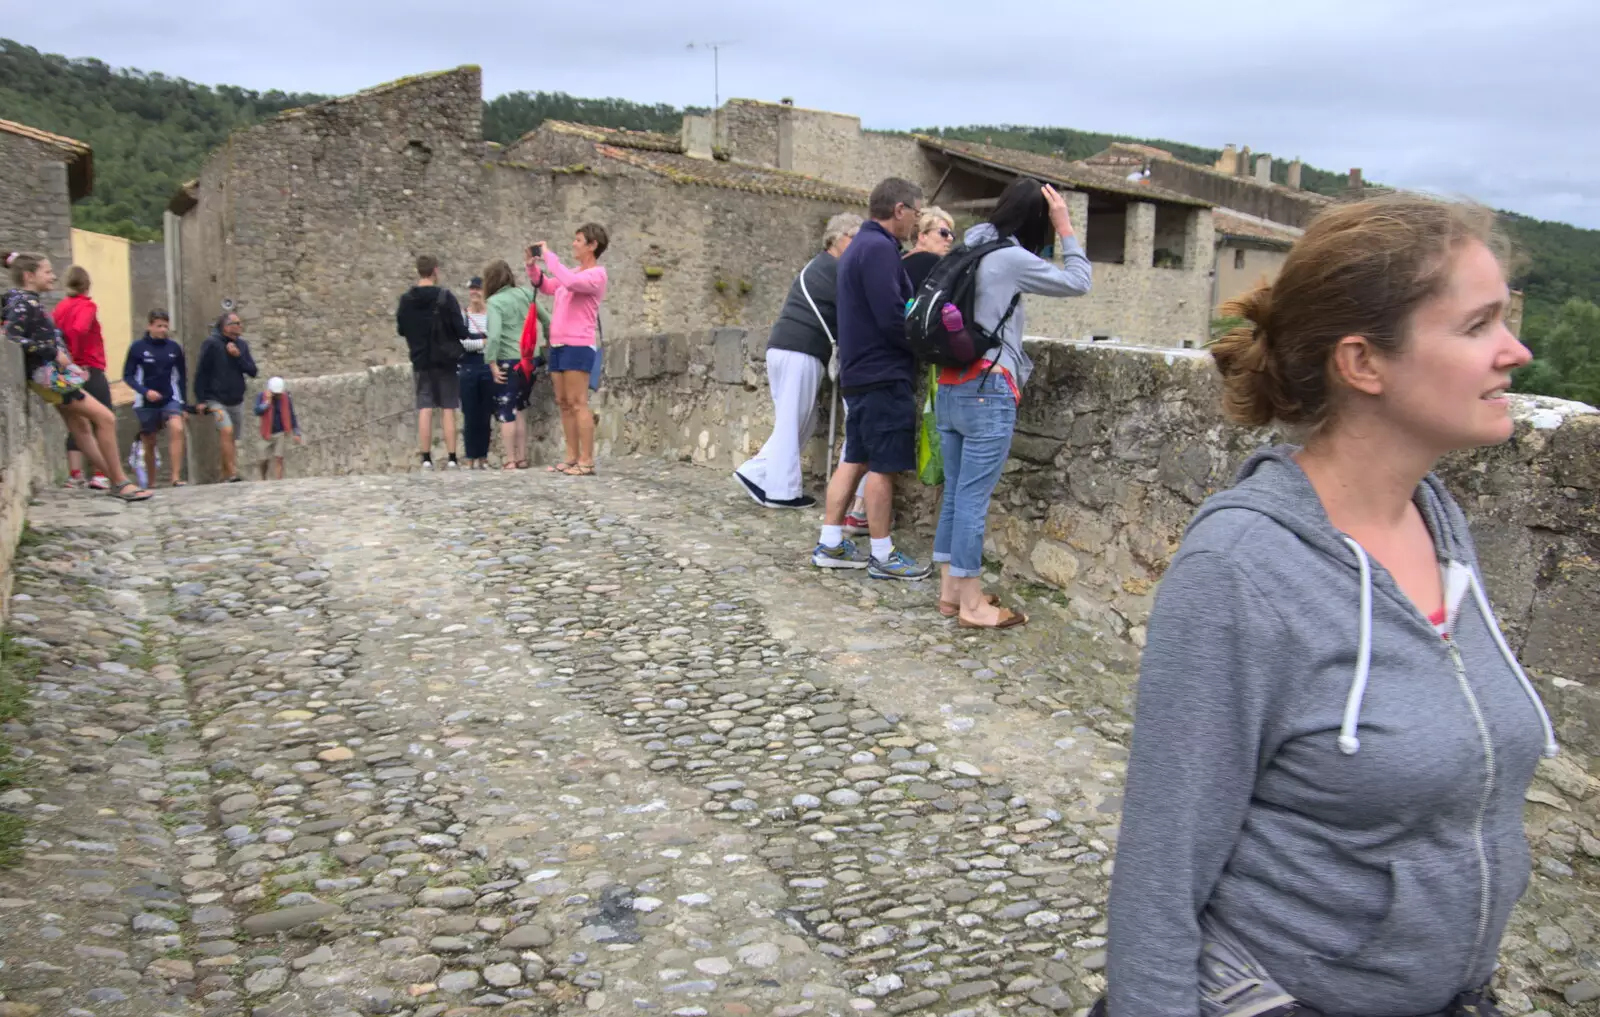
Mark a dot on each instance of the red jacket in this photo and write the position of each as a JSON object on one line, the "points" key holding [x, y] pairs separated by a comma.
{"points": [[79, 323], [530, 341]]}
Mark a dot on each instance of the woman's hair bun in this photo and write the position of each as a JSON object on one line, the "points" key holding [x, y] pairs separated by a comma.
{"points": [[1243, 354]]}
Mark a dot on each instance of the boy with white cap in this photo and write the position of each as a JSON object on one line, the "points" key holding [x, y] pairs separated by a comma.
{"points": [[278, 422]]}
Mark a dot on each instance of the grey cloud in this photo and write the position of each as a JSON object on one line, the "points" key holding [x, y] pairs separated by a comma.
{"points": [[1475, 97]]}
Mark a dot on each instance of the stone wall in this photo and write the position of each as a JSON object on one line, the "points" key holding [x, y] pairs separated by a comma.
{"points": [[147, 271], [35, 215]]}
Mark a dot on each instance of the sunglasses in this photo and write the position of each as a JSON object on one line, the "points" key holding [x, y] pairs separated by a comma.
{"points": [[945, 234]]}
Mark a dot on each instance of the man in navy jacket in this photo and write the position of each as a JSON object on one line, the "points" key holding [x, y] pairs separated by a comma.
{"points": [[876, 372], [219, 384], [156, 371]]}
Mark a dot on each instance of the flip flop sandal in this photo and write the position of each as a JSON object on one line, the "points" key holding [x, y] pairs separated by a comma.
{"points": [[951, 608], [581, 471], [180, 483], [559, 467], [508, 466], [522, 464], [137, 494], [1009, 619]]}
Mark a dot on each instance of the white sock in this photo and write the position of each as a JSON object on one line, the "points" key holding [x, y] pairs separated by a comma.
{"points": [[882, 547], [832, 536]]}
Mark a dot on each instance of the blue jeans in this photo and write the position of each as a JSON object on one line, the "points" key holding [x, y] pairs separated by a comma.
{"points": [[477, 402], [976, 421]]}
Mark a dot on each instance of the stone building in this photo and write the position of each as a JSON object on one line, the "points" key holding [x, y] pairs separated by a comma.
{"points": [[1250, 251], [41, 174], [311, 221]]}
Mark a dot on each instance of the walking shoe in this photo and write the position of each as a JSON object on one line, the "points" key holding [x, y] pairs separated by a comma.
{"points": [[451, 464], [855, 526], [750, 487], [427, 461], [805, 501], [845, 556], [898, 566], [98, 482]]}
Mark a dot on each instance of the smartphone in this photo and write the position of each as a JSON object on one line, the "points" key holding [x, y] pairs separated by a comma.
{"points": [[537, 250]]}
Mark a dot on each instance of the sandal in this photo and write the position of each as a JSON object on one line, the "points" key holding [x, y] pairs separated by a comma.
{"points": [[581, 471], [137, 493], [508, 466], [1009, 619], [523, 464], [180, 483], [560, 467], [952, 608]]}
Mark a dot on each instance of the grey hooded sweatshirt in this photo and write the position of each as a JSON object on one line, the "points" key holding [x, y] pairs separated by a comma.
{"points": [[1318, 778], [1007, 272]]}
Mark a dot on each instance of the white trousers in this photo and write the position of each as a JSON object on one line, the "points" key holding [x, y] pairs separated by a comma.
{"points": [[794, 378]]}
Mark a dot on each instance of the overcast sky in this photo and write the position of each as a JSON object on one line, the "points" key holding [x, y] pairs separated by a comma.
{"points": [[1494, 99]]}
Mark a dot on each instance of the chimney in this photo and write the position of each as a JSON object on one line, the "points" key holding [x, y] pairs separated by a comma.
{"points": [[1263, 169], [786, 101], [699, 136], [1229, 162], [1294, 173], [1355, 180], [1242, 168]]}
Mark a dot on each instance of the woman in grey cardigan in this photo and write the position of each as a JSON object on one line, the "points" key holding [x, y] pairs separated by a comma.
{"points": [[798, 350], [1324, 802]]}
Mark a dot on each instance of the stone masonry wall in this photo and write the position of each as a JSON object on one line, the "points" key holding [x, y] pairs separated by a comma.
{"points": [[35, 215], [147, 271]]}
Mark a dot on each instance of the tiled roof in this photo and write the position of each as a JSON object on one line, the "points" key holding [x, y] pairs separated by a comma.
{"points": [[1238, 224], [646, 140], [733, 176], [1075, 175], [79, 156]]}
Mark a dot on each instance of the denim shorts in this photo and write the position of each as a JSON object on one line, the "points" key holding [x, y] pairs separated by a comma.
{"points": [[154, 418], [880, 428], [571, 358]]}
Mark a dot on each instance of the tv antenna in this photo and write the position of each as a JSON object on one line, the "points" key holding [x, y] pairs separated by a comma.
{"points": [[716, 70]]}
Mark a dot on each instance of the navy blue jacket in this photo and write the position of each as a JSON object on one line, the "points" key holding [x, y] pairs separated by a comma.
{"points": [[871, 297], [156, 365], [219, 377]]}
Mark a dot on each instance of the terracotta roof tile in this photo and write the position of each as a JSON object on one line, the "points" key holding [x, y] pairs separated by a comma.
{"points": [[617, 137], [733, 176], [1075, 175], [1237, 224]]}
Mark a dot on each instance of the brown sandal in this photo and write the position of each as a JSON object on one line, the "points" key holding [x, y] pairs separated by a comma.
{"points": [[561, 467], [951, 608], [1009, 619], [581, 471]]}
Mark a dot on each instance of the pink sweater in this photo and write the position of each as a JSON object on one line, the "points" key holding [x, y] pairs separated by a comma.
{"points": [[576, 314]]}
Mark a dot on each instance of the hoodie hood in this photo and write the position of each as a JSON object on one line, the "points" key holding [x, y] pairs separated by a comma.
{"points": [[980, 234], [1272, 484]]}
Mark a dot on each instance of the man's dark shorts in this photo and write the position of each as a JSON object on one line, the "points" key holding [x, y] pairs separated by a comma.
{"points": [[880, 428], [154, 418], [438, 388]]}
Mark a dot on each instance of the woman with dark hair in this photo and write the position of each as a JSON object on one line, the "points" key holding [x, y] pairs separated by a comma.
{"points": [[977, 406], [1323, 811], [79, 321], [574, 324], [53, 375], [477, 380], [507, 309]]}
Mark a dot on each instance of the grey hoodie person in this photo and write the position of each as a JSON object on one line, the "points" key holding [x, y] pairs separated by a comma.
{"points": [[1317, 777], [1004, 273]]}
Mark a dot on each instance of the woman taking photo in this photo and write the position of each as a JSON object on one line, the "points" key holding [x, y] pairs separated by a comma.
{"points": [[477, 381], [574, 320], [977, 406], [1324, 797], [507, 310], [52, 374], [79, 321]]}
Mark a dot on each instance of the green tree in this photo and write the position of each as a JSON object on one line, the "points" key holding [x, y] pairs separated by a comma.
{"points": [[1566, 355]]}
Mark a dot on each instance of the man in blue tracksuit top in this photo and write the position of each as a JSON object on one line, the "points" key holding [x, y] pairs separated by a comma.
{"points": [[156, 372], [876, 373]]}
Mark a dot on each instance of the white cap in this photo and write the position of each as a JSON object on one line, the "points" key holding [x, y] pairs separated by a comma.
{"points": [[275, 385]]}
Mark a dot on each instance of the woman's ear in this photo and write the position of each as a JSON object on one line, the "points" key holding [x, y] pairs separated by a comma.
{"points": [[1359, 364]]}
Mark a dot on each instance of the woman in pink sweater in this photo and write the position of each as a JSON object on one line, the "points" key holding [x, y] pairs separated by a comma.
{"points": [[574, 321]]}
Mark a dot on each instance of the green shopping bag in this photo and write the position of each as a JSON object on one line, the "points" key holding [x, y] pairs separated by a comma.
{"points": [[930, 455]]}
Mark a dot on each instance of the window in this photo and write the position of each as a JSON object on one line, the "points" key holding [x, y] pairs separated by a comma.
{"points": [[1238, 260]]}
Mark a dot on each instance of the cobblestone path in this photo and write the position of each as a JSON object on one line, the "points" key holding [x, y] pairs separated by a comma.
{"points": [[529, 744]]}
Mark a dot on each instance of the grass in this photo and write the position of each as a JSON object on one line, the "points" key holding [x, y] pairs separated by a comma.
{"points": [[29, 537], [17, 668]]}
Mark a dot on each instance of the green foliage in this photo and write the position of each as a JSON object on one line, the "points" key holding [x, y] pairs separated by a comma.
{"points": [[1566, 354], [508, 117], [17, 668], [149, 132]]}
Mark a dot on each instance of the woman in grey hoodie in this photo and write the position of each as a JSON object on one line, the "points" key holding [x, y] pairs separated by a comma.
{"points": [[976, 406], [1332, 741]]}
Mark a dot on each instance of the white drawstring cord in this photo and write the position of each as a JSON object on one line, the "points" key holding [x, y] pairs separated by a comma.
{"points": [[1349, 744], [1551, 750]]}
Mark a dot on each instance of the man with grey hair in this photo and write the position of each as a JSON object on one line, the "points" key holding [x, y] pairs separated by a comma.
{"points": [[798, 350], [877, 371]]}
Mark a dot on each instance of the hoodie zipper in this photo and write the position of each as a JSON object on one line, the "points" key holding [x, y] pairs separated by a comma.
{"points": [[1484, 890]]}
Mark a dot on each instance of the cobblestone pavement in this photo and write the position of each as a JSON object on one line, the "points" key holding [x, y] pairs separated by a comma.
{"points": [[457, 744]]}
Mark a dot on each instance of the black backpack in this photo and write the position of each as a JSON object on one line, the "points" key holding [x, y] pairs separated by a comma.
{"points": [[954, 281]]}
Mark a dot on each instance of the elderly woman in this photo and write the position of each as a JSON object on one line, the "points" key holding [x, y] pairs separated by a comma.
{"points": [[936, 232], [798, 350]]}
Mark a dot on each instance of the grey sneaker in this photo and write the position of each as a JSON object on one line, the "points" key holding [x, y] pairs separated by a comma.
{"points": [[845, 556], [898, 566]]}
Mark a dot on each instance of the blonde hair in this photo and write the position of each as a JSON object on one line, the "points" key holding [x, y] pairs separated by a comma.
{"points": [[932, 218], [1361, 269], [840, 226]]}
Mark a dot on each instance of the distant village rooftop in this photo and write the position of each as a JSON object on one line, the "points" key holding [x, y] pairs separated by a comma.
{"points": [[80, 157]]}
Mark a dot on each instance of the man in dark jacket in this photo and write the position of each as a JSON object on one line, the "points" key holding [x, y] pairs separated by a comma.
{"points": [[876, 373], [798, 350], [158, 375], [430, 319], [225, 362]]}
